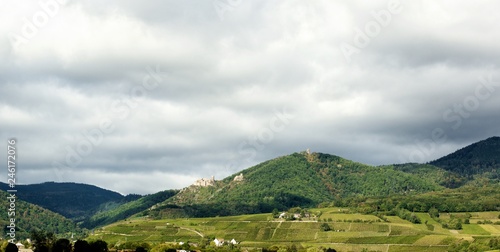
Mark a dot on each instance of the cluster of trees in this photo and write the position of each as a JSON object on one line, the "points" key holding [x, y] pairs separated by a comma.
{"points": [[296, 248], [325, 227], [407, 215], [465, 199], [46, 241], [476, 246], [452, 224], [137, 246], [402, 213], [488, 222]]}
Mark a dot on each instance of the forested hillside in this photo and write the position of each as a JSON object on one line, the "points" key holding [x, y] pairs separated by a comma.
{"points": [[301, 179], [29, 217], [128, 209], [433, 173], [478, 158]]}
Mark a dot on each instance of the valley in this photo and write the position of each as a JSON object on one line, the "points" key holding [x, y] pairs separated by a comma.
{"points": [[349, 232]]}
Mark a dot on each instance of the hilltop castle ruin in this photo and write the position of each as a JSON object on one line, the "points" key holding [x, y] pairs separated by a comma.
{"points": [[205, 182], [239, 177]]}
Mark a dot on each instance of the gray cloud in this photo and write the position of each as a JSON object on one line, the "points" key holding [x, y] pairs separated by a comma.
{"points": [[183, 93]]}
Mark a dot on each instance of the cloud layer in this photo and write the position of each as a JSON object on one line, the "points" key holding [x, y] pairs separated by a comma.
{"points": [[140, 97]]}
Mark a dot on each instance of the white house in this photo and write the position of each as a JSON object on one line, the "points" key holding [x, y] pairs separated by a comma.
{"points": [[218, 242]]}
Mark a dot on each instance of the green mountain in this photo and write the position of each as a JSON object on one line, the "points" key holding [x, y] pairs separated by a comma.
{"points": [[72, 200], [309, 179], [482, 157], [301, 179], [29, 217]]}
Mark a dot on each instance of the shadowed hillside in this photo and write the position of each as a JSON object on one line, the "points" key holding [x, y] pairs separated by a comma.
{"points": [[478, 158], [72, 200], [29, 217]]}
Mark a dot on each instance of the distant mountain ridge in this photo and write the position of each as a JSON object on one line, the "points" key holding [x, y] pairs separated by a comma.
{"points": [[477, 158], [72, 200], [82, 203]]}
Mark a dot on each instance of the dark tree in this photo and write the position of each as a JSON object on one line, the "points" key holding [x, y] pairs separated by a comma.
{"points": [[62, 245], [42, 240], [434, 213], [140, 249], [11, 247], [330, 250], [494, 243], [81, 246], [42, 248], [325, 227], [98, 246], [275, 213]]}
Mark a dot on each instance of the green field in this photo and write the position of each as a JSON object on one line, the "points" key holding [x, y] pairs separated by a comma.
{"points": [[349, 232]]}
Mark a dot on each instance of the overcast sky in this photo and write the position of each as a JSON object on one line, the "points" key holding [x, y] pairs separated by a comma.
{"points": [[143, 96]]}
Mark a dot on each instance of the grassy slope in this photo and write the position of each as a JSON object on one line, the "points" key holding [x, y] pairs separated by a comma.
{"points": [[261, 230]]}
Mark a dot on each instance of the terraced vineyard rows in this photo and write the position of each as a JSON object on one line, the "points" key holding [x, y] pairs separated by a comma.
{"points": [[350, 232]]}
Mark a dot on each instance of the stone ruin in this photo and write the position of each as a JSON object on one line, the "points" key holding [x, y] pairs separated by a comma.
{"points": [[205, 182], [239, 177]]}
